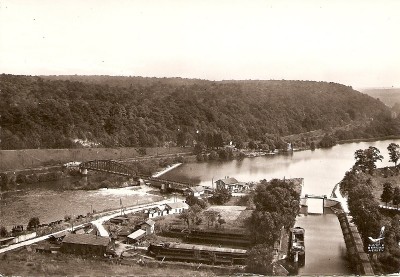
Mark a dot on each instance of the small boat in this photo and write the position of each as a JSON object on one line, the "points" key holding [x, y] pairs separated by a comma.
{"points": [[297, 253]]}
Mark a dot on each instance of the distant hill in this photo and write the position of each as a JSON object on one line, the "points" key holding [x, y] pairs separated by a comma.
{"points": [[389, 96], [55, 111]]}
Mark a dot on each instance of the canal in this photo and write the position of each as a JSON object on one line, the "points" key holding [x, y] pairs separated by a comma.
{"points": [[321, 170]]}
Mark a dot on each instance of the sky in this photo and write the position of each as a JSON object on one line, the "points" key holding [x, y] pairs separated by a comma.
{"points": [[354, 42]]}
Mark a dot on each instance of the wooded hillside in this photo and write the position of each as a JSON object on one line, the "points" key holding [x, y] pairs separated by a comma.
{"points": [[48, 112]]}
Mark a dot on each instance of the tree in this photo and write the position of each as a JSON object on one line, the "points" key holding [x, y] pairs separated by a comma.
{"points": [[181, 138], [364, 210], [366, 159], [195, 214], [278, 196], [396, 196], [221, 220], [312, 146], [185, 216], [327, 141], [220, 196], [394, 152], [264, 227], [192, 200], [3, 231], [387, 194], [259, 260], [199, 148], [33, 223], [211, 216], [252, 145]]}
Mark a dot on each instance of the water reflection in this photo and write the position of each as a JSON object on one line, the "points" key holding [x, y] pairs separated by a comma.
{"points": [[325, 247]]}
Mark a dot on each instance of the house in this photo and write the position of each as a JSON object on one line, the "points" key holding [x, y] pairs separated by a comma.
{"points": [[176, 208], [232, 185], [227, 183], [85, 244], [154, 212], [148, 226], [197, 191], [136, 236], [241, 186]]}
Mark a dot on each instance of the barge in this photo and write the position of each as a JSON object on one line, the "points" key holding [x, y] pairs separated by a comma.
{"points": [[297, 253], [198, 253]]}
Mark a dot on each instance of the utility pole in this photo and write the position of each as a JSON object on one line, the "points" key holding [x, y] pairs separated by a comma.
{"points": [[0, 131]]}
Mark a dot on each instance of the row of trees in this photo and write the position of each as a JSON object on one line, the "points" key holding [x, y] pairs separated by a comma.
{"points": [[390, 193], [33, 224], [51, 112], [366, 158], [196, 214], [358, 185]]}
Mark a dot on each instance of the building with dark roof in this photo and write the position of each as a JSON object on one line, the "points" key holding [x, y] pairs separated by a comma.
{"points": [[84, 244], [228, 183]]}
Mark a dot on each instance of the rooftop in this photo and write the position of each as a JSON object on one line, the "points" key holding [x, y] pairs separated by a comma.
{"points": [[86, 239], [197, 189], [229, 181], [149, 222], [137, 234], [177, 205]]}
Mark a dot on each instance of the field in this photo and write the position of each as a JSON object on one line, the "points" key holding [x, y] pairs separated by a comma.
{"points": [[381, 176], [233, 215]]}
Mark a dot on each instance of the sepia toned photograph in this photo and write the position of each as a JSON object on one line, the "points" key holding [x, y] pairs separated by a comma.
{"points": [[199, 138]]}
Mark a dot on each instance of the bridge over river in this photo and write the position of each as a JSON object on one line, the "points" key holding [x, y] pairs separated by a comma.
{"points": [[118, 168]]}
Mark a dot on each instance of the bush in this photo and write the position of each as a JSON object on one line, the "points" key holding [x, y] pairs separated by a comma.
{"points": [[192, 200], [142, 151], [33, 223], [3, 231]]}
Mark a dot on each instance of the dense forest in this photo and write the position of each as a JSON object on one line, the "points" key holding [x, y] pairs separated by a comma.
{"points": [[56, 111]]}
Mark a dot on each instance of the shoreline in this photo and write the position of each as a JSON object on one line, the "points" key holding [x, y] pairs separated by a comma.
{"points": [[158, 174], [367, 139]]}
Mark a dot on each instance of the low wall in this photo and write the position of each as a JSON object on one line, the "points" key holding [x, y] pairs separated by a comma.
{"points": [[24, 237], [355, 248]]}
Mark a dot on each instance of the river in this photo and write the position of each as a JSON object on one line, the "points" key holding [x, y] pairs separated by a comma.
{"points": [[321, 170]]}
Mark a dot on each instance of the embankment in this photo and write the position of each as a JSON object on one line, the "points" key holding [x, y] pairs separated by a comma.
{"points": [[355, 247], [358, 259], [32, 158]]}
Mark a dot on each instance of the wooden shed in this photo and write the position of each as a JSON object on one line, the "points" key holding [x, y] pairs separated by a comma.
{"points": [[84, 244]]}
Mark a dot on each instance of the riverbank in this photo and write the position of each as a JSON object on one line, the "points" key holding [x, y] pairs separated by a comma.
{"points": [[165, 170], [11, 160], [368, 139]]}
